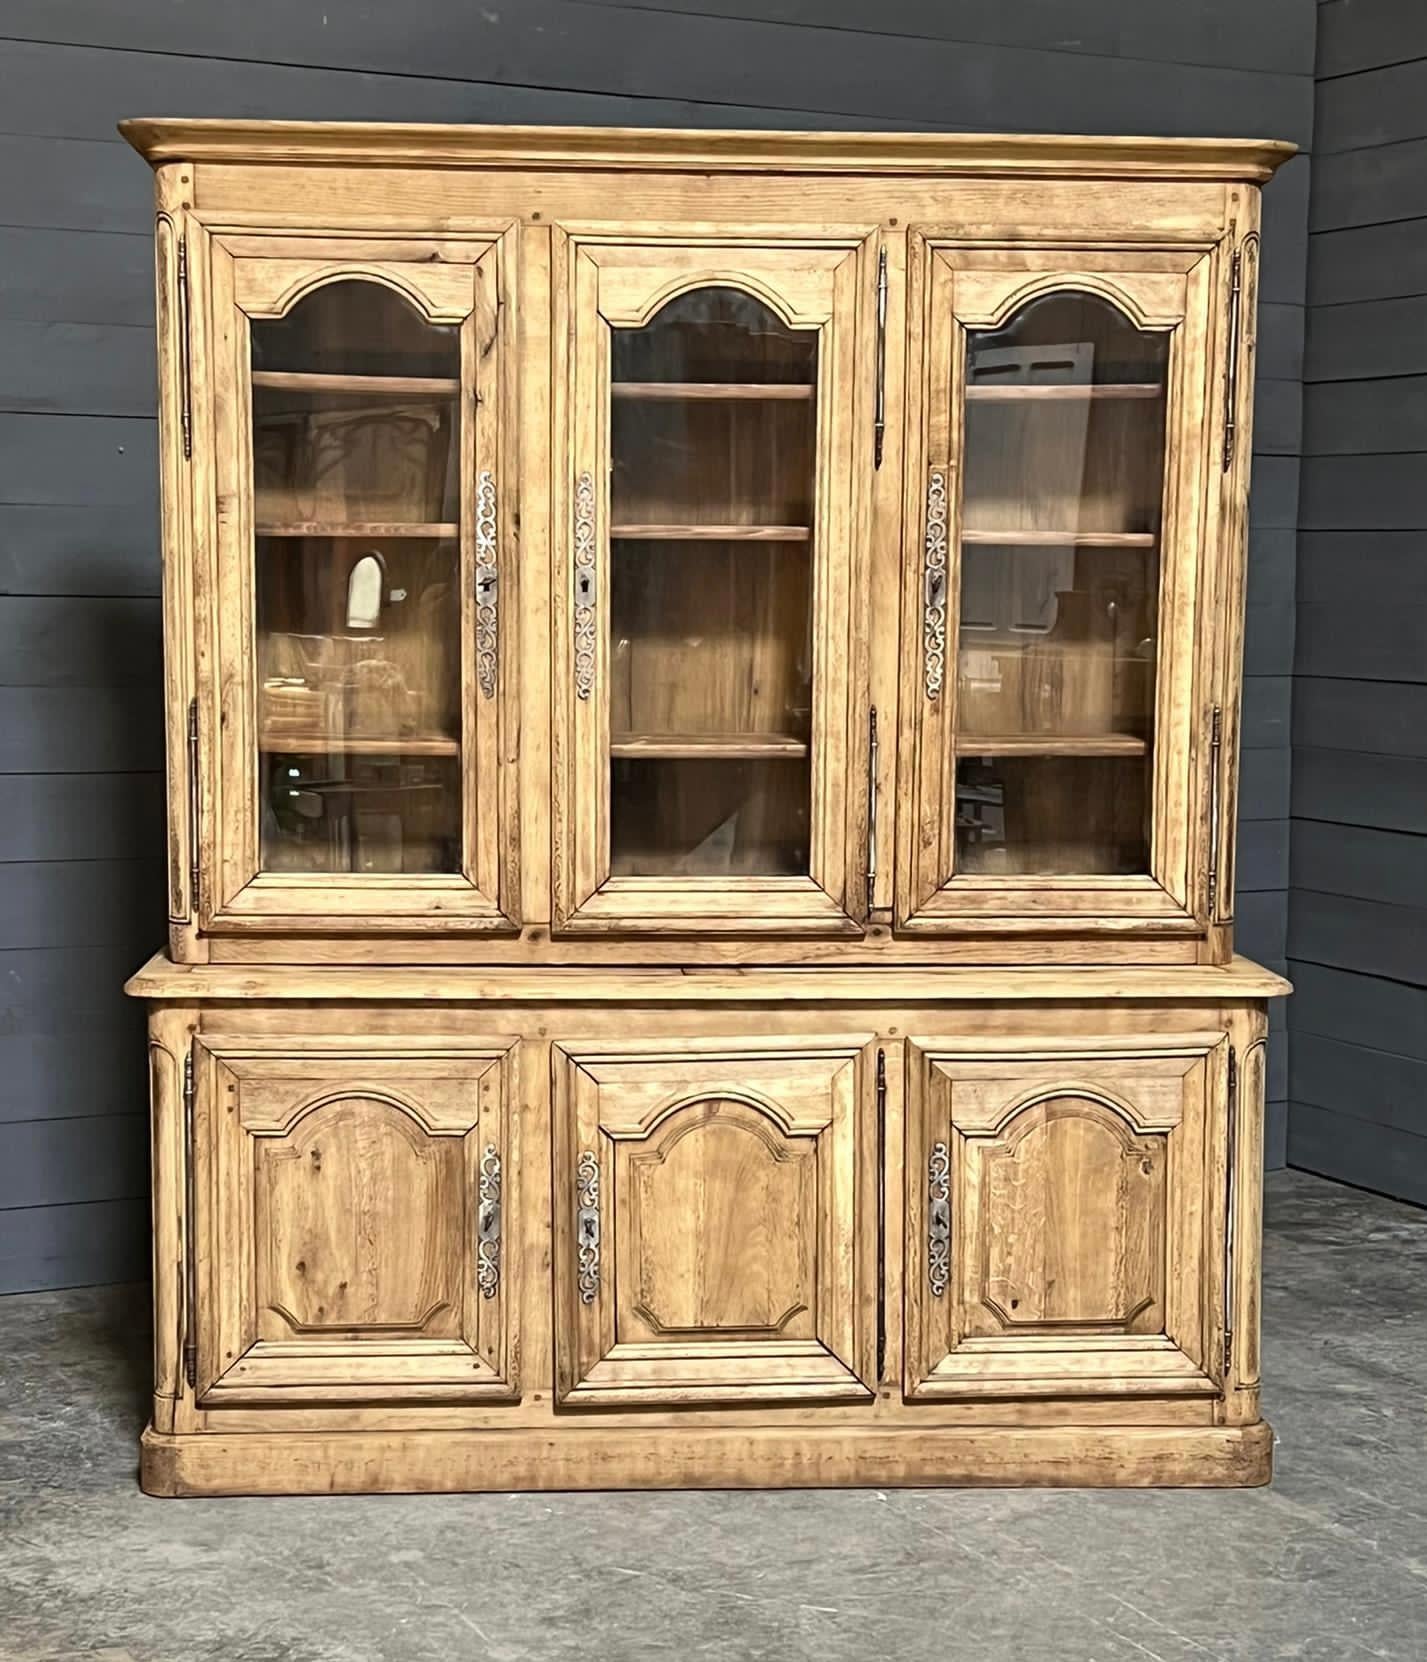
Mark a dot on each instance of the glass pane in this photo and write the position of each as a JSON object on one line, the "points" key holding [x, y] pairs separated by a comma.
{"points": [[712, 434], [1064, 464], [356, 492]]}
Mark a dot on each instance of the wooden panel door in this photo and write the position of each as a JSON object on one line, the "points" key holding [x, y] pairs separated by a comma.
{"points": [[357, 718], [349, 1221], [715, 1222], [715, 411], [1062, 1207], [1057, 602]]}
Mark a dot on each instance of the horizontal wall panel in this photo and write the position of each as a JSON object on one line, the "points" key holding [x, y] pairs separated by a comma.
{"points": [[1262, 855], [1282, 267], [58, 991], [74, 184], [65, 1075], [1374, 1086], [1266, 711], [88, 1245], [1367, 338], [1372, 640], [1385, 718], [58, 1162], [1355, 35], [54, 548], [81, 729], [1363, 935], [1369, 187], [1354, 787], [76, 276], [65, 640], [628, 50], [81, 816], [82, 902], [1377, 106], [1268, 637], [1273, 553], [1367, 418], [1335, 1145], [1359, 1009], [1275, 1135], [100, 461], [1357, 860], [1373, 493], [1264, 786], [1278, 417], [1268, 36], [1278, 342], [77, 368], [1336, 568], [1261, 924], [1274, 491], [1370, 262]]}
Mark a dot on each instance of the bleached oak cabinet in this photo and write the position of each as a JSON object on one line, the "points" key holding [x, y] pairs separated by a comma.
{"points": [[703, 706]]}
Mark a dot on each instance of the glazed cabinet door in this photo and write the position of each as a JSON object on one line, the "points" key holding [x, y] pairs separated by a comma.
{"points": [[1055, 731], [360, 695], [710, 682], [349, 1200], [715, 1222], [1063, 1205]]}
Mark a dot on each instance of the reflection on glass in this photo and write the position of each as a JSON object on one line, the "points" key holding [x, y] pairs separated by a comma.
{"points": [[712, 433], [1064, 463], [356, 491]]}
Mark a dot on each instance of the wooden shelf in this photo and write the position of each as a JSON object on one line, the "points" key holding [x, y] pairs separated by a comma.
{"points": [[711, 533], [289, 380], [1062, 539], [375, 530], [721, 391], [1065, 393], [1049, 744], [711, 747], [337, 744]]}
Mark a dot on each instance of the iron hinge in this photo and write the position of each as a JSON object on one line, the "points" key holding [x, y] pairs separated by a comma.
{"points": [[872, 746], [1236, 331], [879, 414], [190, 1247], [184, 356], [1230, 1187], [194, 862], [881, 1214], [1216, 751]]}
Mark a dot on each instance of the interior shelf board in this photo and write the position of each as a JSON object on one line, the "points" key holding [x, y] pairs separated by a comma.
{"points": [[291, 380], [1050, 744], [339, 744], [1065, 393], [705, 746], [1062, 539], [375, 529], [712, 533], [714, 390]]}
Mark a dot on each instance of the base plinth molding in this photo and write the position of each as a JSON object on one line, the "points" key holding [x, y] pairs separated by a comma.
{"points": [[432, 1462]]}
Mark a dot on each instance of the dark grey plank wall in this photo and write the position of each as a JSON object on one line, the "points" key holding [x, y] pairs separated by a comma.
{"points": [[80, 895], [1358, 901]]}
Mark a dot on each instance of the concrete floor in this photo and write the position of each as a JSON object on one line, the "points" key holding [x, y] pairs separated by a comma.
{"points": [[1329, 1565]]}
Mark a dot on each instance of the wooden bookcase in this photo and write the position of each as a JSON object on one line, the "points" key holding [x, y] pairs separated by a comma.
{"points": [[703, 684]]}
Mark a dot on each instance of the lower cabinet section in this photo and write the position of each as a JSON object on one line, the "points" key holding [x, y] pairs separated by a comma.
{"points": [[715, 1221], [490, 1243], [349, 1230]]}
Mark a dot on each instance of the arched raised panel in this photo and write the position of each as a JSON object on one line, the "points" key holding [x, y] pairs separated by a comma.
{"points": [[355, 1210], [719, 1206], [1072, 1221], [356, 1239], [715, 1223]]}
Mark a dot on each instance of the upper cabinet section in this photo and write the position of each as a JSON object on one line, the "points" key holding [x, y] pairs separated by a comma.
{"points": [[358, 585], [711, 545], [1055, 586]]}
